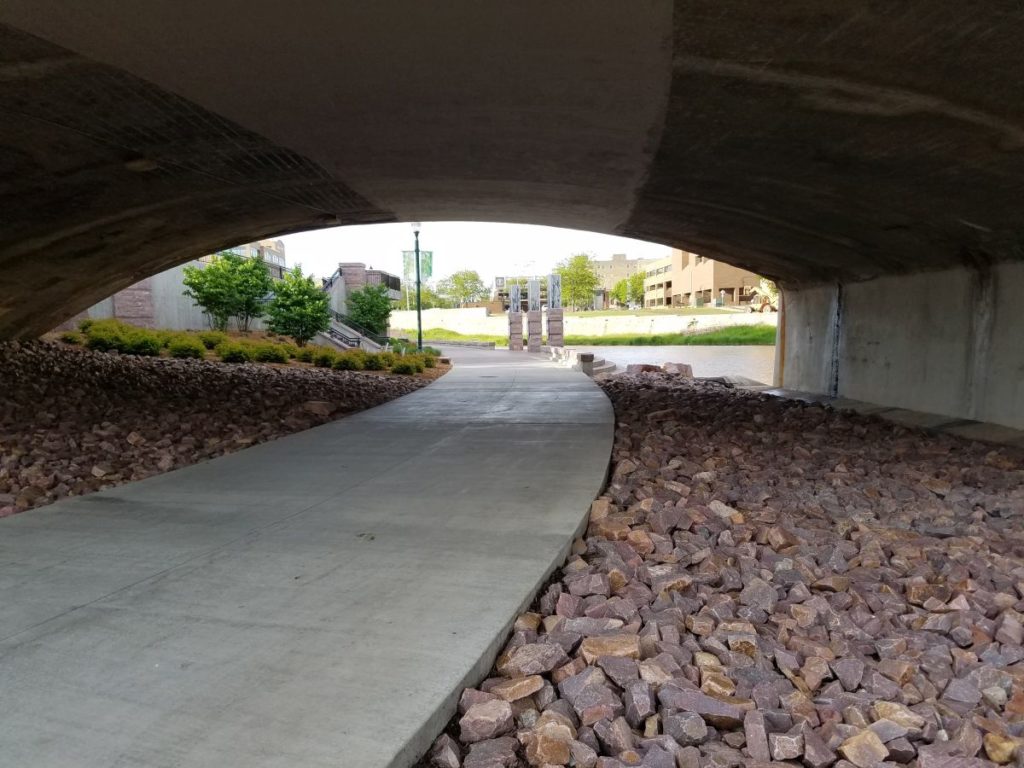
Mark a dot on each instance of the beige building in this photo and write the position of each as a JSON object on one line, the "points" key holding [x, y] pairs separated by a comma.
{"points": [[611, 271], [686, 279], [271, 252]]}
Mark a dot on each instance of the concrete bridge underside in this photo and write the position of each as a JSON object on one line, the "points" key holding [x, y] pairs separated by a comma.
{"points": [[868, 155]]}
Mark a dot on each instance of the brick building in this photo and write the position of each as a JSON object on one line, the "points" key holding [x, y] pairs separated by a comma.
{"points": [[686, 279], [618, 267]]}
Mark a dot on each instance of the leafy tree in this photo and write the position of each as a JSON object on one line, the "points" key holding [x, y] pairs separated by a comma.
{"points": [[229, 286], [370, 307], [300, 308], [768, 290], [579, 281], [620, 292], [214, 289], [254, 285], [635, 289], [462, 287], [428, 297]]}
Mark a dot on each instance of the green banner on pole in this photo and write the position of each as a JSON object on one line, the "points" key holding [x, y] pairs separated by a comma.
{"points": [[409, 265]]}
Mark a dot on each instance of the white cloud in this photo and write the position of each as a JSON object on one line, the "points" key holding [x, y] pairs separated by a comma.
{"points": [[490, 249]]}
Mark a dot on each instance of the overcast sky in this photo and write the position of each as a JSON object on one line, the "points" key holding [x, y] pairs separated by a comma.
{"points": [[490, 249]]}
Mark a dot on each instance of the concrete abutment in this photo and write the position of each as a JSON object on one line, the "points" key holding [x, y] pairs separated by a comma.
{"points": [[945, 342]]}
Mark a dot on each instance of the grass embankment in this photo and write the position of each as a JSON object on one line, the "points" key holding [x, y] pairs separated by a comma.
{"points": [[738, 335], [111, 335], [443, 334], [649, 312]]}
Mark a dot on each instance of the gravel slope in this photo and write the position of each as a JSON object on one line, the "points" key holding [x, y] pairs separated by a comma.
{"points": [[74, 421], [770, 581]]}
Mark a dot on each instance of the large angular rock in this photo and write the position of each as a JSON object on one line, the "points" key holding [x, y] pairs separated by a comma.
{"points": [[756, 737], [864, 750], [493, 753], [531, 659], [719, 713], [786, 746], [486, 720], [593, 648], [446, 752], [687, 728], [518, 687]]}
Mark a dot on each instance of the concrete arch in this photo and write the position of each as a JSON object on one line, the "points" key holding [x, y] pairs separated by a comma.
{"points": [[825, 144]]}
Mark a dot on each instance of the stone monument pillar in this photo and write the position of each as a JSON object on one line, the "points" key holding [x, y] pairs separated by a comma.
{"points": [[533, 316], [515, 320], [556, 334]]}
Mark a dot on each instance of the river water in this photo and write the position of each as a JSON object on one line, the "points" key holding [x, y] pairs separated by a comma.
{"points": [[753, 362]]}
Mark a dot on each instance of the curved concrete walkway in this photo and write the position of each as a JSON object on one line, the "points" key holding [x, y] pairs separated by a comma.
{"points": [[314, 601]]}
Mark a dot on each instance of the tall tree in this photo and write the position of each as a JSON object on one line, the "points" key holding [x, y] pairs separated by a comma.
{"points": [[620, 292], [579, 281], [429, 298], [635, 290], [229, 286], [300, 308], [254, 286], [462, 287], [370, 307]]}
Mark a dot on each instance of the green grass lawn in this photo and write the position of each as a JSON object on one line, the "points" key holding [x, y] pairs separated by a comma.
{"points": [[443, 334], [736, 335], [644, 312]]}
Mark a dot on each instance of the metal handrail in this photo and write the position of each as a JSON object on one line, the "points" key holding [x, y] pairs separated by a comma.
{"points": [[351, 341], [361, 329]]}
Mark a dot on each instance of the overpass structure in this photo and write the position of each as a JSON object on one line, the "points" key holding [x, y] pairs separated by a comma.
{"points": [[869, 156]]}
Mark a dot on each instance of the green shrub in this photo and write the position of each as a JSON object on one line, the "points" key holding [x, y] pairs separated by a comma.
{"points": [[186, 346], [166, 337], [211, 339], [104, 338], [324, 358], [429, 361], [143, 344], [305, 354], [269, 353], [431, 352], [348, 361], [373, 362], [388, 358], [289, 349], [418, 363], [233, 352], [404, 368], [71, 337], [85, 325], [403, 346]]}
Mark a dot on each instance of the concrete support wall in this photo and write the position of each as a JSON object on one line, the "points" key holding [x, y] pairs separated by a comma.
{"points": [[477, 321], [171, 308], [156, 302], [944, 342]]}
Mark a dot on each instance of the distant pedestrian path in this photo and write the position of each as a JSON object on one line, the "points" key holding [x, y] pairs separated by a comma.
{"points": [[319, 600]]}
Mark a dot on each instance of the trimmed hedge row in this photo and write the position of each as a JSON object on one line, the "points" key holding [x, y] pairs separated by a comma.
{"points": [[114, 335], [360, 360]]}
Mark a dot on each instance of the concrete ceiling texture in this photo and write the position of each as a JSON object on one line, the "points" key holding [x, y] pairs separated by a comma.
{"points": [[810, 140]]}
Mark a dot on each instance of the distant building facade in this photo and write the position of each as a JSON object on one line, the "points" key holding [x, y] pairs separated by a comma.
{"points": [[159, 301], [353, 275], [270, 251], [618, 267], [503, 285], [686, 279]]}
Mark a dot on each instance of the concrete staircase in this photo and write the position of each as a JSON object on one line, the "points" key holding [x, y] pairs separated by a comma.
{"points": [[581, 361], [343, 336]]}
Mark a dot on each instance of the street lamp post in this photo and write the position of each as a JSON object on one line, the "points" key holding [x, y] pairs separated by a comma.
{"points": [[419, 315]]}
